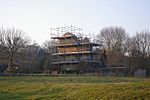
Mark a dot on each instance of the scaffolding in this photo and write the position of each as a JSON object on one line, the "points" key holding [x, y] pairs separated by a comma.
{"points": [[59, 31], [72, 51]]}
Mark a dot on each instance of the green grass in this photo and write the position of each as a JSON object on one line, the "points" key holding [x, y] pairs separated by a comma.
{"points": [[74, 88]]}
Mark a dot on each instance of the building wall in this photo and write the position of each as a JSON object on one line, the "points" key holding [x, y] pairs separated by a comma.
{"points": [[67, 41], [80, 60], [81, 57], [72, 49]]}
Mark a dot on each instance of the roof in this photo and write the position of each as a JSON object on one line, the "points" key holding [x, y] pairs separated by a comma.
{"points": [[66, 35]]}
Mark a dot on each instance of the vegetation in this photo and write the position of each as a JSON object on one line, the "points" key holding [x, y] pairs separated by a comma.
{"points": [[21, 55], [122, 48], [12, 41], [74, 88]]}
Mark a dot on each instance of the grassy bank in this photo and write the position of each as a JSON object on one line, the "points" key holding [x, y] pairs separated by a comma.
{"points": [[74, 88]]}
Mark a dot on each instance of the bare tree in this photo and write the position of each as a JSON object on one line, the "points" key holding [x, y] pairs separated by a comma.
{"points": [[114, 39], [138, 50], [49, 46], [12, 42], [142, 41]]}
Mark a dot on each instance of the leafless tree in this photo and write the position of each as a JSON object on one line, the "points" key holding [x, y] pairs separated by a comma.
{"points": [[49, 46], [114, 39], [138, 50], [142, 41], [12, 42]]}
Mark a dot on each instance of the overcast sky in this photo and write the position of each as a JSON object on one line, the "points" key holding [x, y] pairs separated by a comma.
{"points": [[36, 17]]}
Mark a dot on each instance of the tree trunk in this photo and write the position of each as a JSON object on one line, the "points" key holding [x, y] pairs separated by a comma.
{"points": [[10, 65]]}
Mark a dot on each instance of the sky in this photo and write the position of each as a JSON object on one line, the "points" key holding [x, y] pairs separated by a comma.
{"points": [[36, 17]]}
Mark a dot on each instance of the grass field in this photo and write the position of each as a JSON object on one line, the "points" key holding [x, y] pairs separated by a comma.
{"points": [[74, 88]]}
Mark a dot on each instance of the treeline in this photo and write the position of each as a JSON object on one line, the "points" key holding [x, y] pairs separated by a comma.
{"points": [[18, 53], [132, 51]]}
